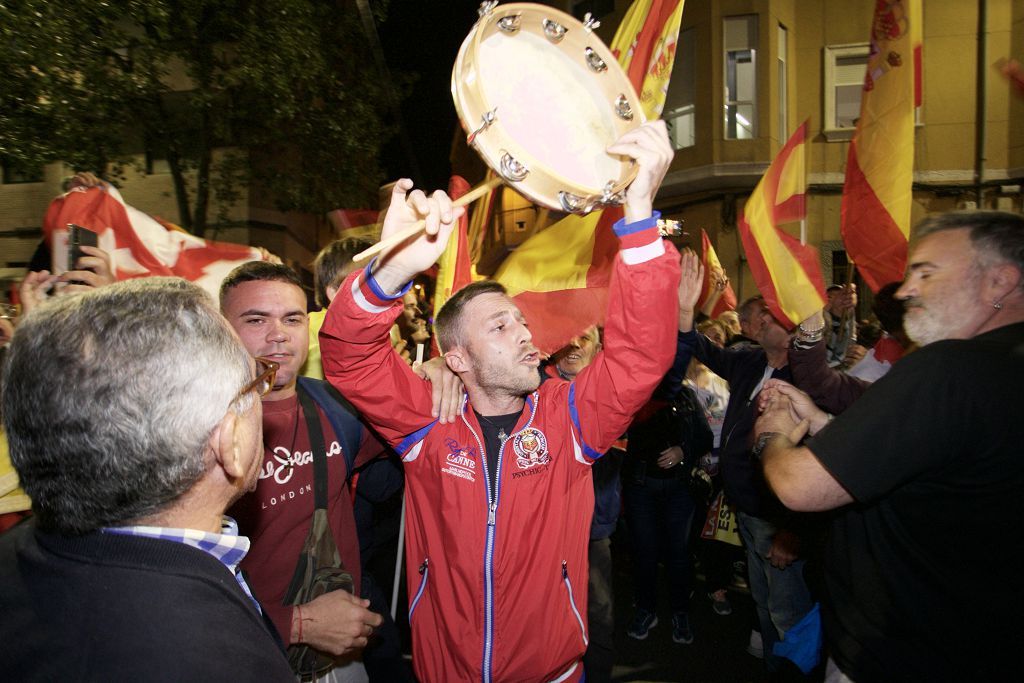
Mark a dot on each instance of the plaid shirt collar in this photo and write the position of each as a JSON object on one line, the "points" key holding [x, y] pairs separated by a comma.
{"points": [[227, 546]]}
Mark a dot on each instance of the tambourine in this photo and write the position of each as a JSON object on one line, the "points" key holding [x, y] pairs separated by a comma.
{"points": [[541, 98]]}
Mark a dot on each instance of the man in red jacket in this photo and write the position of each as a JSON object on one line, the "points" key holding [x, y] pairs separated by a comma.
{"points": [[499, 500]]}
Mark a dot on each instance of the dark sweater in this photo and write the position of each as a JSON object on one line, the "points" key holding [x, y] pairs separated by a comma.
{"points": [[109, 607], [830, 389], [743, 368]]}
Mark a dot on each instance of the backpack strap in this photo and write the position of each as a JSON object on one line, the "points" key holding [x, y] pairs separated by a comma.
{"points": [[316, 444], [342, 416]]}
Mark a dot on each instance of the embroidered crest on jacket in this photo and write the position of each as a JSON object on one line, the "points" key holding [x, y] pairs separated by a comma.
{"points": [[531, 448]]}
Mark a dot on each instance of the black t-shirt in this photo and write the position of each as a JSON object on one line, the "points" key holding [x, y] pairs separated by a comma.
{"points": [[923, 571], [492, 427]]}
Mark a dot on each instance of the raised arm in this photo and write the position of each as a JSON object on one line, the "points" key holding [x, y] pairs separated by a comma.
{"points": [[354, 341], [690, 277], [829, 388], [719, 281], [640, 334]]}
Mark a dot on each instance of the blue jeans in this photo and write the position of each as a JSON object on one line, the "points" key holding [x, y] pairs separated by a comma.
{"points": [[781, 595], [658, 514]]}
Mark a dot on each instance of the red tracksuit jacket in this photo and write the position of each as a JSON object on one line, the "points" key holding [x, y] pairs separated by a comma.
{"points": [[499, 592]]}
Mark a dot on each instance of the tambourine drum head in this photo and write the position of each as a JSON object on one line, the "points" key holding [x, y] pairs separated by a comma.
{"points": [[541, 96], [541, 107]]}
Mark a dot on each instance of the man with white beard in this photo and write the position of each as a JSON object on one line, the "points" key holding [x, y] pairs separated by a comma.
{"points": [[927, 469]]}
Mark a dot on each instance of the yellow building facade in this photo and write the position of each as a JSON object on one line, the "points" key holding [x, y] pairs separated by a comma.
{"points": [[749, 72], [761, 67]]}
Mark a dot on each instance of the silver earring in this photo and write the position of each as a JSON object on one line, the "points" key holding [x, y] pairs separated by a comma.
{"points": [[998, 305]]}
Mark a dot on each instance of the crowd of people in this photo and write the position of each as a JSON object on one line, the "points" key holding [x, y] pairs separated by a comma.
{"points": [[205, 476]]}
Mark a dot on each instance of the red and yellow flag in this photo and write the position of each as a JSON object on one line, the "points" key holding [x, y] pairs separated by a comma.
{"points": [[356, 223], [559, 277], [480, 220], [709, 259], [877, 195], [454, 269], [787, 273], [645, 45]]}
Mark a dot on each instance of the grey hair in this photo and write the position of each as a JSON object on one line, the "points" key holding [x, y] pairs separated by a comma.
{"points": [[109, 398], [998, 236]]}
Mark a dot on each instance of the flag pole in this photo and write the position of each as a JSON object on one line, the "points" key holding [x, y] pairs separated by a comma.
{"points": [[398, 562], [415, 229]]}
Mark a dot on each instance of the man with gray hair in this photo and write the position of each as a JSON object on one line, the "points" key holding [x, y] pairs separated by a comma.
{"points": [[925, 469], [134, 421]]}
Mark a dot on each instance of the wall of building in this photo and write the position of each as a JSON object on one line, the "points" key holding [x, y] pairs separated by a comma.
{"points": [[1016, 134], [946, 160]]}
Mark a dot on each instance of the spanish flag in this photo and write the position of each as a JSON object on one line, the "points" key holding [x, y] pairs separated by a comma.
{"points": [[645, 45], [877, 195], [454, 270], [559, 277], [709, 259], [480, 219], [787, 273], [356, 223]]}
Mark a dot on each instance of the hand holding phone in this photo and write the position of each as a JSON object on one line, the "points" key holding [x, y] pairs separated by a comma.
{"points": [[87, 265], [77, 238]]}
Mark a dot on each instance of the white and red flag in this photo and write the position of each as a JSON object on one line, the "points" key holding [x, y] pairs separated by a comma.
{"points": [[139, 244]]}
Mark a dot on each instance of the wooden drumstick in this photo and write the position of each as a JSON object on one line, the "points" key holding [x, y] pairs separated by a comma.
{"points": [[468, 198]]}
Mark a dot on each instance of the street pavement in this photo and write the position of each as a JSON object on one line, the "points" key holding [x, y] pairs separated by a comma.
{"points": [[718, 653]]}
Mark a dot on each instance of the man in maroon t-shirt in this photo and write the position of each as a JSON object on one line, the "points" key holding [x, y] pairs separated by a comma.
{"points": [[266, 305]]}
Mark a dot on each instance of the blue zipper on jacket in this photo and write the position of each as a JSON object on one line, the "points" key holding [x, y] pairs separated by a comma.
{"points": [[425, 573], [492, 512]]}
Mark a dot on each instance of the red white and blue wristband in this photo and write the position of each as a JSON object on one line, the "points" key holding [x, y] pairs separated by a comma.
{"points": [[640, 241], [369, 295]]}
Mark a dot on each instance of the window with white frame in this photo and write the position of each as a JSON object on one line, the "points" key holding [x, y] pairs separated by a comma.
{"points": [[740, 39], [845, 66], [680, 101], [783, 84]]}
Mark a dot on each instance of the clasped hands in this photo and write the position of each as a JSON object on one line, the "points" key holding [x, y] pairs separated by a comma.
{"points": [[786, 410]]}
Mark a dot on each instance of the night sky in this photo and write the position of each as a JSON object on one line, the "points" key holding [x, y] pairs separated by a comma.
{"points": [[423, 37]]}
